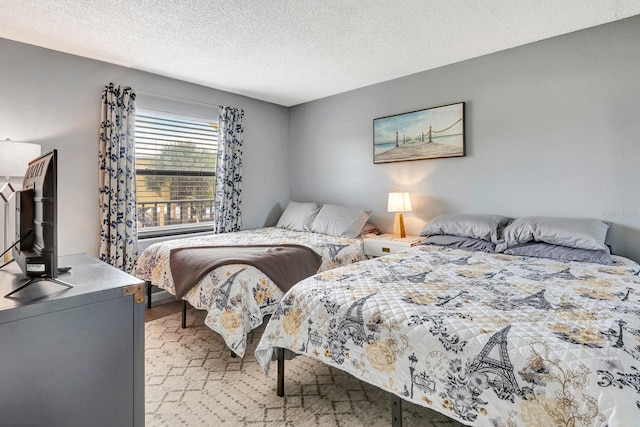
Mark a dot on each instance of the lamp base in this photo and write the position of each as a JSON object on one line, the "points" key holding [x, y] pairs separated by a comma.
{"points": [[398, 226]]}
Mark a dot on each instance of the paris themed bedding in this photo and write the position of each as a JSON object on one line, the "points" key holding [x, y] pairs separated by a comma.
{"points": [[487, 339], [238, 296]]}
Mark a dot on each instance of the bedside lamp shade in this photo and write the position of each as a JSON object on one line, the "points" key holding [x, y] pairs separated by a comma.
{"points": [[14, 159], [399, 202]]}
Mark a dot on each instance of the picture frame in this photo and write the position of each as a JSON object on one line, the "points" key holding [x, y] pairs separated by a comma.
{"points": [[431, 133]]}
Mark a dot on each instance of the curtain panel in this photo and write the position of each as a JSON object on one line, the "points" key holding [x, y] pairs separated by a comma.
{"points": [[228, 187], [117, 178]]}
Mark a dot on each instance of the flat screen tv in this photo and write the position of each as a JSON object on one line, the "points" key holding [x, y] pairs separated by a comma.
{"points": [[36, 247]]}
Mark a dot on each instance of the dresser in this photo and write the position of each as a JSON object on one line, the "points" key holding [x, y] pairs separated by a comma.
{"points": [[72, 356]]}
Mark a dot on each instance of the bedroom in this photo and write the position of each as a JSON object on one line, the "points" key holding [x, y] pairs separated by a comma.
{"points": [[552, 130]]}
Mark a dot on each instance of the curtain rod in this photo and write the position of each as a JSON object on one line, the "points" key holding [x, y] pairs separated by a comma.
{"points": [[174, 98]]}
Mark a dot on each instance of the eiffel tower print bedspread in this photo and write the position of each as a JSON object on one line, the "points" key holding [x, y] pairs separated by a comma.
{"points": [[238, 296], [486, 339]]}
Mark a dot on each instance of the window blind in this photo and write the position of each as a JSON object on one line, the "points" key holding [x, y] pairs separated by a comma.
{"points": [[175, 168]]}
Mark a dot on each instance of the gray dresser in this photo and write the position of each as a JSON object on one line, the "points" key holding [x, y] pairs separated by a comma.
{"points": [[72, 357]]}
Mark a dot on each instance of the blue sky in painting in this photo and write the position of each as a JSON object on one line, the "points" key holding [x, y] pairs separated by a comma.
{"points": [[412, 124]]}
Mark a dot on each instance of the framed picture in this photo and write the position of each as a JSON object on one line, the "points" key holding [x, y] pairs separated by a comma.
{"points": [[432, 133]]}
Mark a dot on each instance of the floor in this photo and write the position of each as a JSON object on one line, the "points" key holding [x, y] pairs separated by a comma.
{"points": [[161, 309]]}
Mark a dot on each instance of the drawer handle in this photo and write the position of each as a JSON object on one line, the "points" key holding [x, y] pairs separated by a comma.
{"points": [[386, 249]]}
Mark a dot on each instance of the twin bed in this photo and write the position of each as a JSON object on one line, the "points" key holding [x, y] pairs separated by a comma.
{"points": [[487, 338]]}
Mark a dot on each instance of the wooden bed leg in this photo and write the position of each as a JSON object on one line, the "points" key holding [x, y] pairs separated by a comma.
{"points": [[184, 314], [396, 411], [233, 354], [280, 388], [149, 285]]}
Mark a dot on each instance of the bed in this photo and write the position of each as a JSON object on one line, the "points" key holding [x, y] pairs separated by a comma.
{"points": [[238, 296], [488, 339]]}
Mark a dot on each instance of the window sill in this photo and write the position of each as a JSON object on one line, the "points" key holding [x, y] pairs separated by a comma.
{"points": [[174, 231]]}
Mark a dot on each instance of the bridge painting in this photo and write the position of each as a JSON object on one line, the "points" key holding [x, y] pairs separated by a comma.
{"points": [[425, 134]]}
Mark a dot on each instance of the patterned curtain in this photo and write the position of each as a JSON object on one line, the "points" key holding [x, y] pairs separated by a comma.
{"points": [[117, 178], [227, 198]]}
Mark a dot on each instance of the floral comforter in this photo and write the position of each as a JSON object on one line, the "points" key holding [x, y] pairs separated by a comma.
{"points": [[486, 339], [237, 296]]}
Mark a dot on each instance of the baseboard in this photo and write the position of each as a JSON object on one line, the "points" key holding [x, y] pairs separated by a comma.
{"points": [[159, 296]]}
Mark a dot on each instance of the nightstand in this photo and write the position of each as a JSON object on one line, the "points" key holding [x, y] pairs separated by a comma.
{"points": [[385, 244]]}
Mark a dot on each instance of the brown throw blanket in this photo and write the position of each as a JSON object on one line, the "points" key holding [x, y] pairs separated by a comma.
{"points": [[285, 265]]}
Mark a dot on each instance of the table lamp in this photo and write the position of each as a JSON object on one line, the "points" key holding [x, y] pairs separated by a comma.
{"points": [[399, 202], [14, 159]]}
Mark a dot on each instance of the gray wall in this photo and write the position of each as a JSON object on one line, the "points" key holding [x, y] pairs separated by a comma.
{"points": [[53, 99], [552, 128]]}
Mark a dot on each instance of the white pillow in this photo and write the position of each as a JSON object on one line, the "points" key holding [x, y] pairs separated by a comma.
{"points": [[298, 216], [340, 221]]}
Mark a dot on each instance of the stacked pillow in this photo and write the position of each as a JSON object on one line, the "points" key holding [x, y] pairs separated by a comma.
{"points": [[471, 231], [335, 220], [565, 239]]}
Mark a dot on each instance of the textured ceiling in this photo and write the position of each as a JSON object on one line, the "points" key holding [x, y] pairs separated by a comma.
{"points": [[293, 51]]}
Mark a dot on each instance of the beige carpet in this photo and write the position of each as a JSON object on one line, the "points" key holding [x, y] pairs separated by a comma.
{"points": [[192, 380]]}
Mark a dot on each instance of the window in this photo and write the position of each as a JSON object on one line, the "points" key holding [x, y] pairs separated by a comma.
{"points": [[175, 168]]}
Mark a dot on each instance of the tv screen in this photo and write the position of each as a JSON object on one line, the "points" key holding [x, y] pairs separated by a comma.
{"points": [[36, 219]]}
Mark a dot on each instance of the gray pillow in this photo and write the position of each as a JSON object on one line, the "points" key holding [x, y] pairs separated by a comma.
{"points": [[340, 221], [298, 216], [459, 242], [561, 253], [477, 226], [582, 233]]}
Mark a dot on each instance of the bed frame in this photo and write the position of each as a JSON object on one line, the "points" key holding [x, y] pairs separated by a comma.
{"points": [[184, 310], [184, 304], [396, 401]]}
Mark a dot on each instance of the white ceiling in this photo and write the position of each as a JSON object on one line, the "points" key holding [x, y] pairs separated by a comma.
{"points": [[293, 51]]}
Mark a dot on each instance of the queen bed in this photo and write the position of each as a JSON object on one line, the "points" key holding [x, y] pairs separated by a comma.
{"points": [[486, 338], [238, 296]]}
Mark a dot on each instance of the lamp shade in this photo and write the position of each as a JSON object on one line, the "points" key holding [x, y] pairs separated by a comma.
{"points": [[15, 157], [399, 202]]}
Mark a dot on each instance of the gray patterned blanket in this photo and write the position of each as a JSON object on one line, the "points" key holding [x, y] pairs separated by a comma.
{"points": [[487, 339]]}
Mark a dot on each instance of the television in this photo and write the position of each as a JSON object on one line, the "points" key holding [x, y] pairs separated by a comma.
{"points": [[36, 242]]}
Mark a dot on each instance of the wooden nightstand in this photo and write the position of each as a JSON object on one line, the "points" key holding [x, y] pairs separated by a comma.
{"points": [[385, 244]]}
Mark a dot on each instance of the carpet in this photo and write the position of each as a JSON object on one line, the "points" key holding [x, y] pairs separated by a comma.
{"points": [[192, 380]]}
